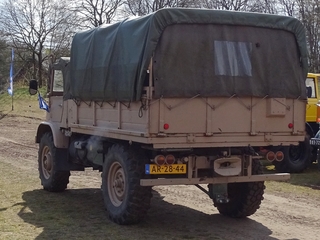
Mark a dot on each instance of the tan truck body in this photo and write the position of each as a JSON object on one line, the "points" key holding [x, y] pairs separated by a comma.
{"points": [[247, 121]]}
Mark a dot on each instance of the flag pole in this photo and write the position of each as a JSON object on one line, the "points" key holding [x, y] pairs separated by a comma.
{"points": [[12, 58], [10, 89]]}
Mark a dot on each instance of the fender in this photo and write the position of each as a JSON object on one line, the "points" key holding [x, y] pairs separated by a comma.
{"points": [[59, 139]]}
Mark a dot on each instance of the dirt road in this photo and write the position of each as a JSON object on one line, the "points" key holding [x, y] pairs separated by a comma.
{"points": [[179, 212]]}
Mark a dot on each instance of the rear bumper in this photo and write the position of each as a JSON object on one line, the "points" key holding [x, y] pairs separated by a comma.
{"points": [[216, 180]]}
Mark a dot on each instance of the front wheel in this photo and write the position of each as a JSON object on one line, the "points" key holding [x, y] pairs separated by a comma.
{"points": [[51, 179], [125, 200], [244, 198]]}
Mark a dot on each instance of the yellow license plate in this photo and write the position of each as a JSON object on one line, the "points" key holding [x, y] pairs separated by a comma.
{"points": [[166, 169]]}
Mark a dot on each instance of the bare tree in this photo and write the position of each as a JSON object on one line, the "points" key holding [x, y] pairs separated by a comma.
{"points": [[309, 14], [144, 7], [265, 6], [97, 12], [288, 7], [34, 26]]}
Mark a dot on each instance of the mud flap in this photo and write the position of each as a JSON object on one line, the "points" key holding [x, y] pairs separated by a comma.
{"points": [[219, 192]]}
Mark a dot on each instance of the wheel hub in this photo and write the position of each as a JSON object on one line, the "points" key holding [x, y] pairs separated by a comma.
{"points": [[116, 184], [46, 162], [119, 185]]}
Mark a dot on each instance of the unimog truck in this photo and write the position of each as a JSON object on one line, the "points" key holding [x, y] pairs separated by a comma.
{"points": [[177, 97]]}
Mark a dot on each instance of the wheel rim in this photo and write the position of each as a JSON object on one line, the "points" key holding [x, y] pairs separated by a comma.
{"points": [[46, 162], [116, 184]]}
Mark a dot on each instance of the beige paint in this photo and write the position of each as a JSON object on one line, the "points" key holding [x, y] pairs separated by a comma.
{"points": [[198, 122]]}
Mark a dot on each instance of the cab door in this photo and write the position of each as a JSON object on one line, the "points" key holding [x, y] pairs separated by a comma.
{"points": [[56, 95], [311, 114]]}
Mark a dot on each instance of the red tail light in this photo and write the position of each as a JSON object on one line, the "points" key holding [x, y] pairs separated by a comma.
{"points": [[170, 159], [279, 156], [160, 160], [270, 156]]}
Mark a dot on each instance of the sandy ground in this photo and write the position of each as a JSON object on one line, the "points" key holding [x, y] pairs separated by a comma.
{"points": [[177, 208]]}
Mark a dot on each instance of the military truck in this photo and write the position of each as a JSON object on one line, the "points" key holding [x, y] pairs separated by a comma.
{"points": [[298, 158], [177, 97]]}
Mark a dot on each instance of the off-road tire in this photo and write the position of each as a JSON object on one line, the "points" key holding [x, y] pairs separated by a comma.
{"points": [[51, 179], [296, 158], [125, 200], [244, 198]]}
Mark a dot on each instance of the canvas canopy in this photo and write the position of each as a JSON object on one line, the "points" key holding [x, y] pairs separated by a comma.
{"points": [[195, 52]]}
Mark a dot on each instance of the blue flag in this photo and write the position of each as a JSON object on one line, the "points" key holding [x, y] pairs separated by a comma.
{"points": [[42, 103], [10, 88]]}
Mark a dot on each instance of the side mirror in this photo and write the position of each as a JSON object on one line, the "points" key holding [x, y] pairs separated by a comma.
{"points": [[33, 87]]}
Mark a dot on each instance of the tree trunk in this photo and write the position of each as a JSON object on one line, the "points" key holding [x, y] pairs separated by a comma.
{"points": [[34, 62], [40, 64], [40, 69]]}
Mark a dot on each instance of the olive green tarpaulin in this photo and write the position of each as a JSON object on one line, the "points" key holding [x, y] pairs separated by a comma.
{"points": [[196, 51]]}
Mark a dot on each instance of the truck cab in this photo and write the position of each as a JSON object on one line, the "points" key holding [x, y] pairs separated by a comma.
{"points": [[312, 82]]}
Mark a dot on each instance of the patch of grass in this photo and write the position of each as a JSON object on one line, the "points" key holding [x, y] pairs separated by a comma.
{"points": [[11, 204], [23, 103], [307, 182]]}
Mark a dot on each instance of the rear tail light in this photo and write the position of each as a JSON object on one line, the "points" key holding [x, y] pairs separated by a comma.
{"points": [[279, 156], [270, 156], [160, 159], [170, 159]]}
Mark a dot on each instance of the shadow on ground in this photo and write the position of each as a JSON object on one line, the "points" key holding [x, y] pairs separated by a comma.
{"points": [[79, 214]]}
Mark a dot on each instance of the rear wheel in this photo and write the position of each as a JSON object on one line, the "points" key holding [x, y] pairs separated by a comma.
{"points": [[125, 200], [51, 179], [296, 158], [244, 198]]}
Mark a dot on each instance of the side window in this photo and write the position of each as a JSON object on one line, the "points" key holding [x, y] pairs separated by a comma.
{"points": [[311, 84], [57, 85]]}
